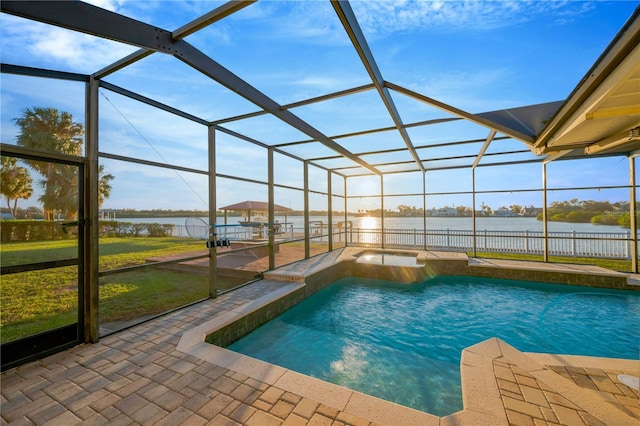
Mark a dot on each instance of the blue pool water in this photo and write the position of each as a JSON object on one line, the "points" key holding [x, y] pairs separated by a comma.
{"points": [[402, 342]]}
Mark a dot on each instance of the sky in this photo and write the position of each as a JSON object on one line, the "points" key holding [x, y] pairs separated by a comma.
{"points": [[477, 56]]}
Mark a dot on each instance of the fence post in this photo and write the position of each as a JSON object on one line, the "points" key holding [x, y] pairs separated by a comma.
{"points": [[573, 243], [448, 239], [486, 246], [526, 233], [627, 244]]}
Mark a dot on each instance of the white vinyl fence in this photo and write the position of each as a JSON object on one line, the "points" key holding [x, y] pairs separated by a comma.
{"points": [[577, 244]]}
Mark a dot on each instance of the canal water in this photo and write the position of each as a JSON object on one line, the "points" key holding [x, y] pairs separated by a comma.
{"points": [[439, 223]]}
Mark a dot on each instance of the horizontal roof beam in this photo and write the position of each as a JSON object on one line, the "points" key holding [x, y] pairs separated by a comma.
{"points": [[39, 72], [209, 18], [378, 130], [148, 101], [299, 103]]}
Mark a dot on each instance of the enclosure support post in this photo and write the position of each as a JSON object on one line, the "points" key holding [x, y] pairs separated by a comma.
{"points": [[545, 233], [329, 211], [382, 209], [90, 297], [213, 260], [307, 253], [271, 218], [473, 210], [483, 150], [346, 214], [633, 222], [424, 207]]}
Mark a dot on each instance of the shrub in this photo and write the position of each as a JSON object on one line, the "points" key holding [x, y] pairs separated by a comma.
{"points": [[579, 216], [159, 230], [33, 230], [605, 219], [113, 228]]}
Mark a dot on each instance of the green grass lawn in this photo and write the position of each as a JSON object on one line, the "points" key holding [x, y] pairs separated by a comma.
{"points": [[142, 293], [114, 252], [613, 264], [37, 301], [32, 302]]}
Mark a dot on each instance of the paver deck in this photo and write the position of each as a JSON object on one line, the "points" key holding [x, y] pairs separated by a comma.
{"points": [[143, 375]]}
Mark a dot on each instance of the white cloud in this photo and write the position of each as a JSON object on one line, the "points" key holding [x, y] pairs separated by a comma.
{"points": [[76, 50], [106, 4], [465, 89], [380, 18], [47, 46], [312, 21]]}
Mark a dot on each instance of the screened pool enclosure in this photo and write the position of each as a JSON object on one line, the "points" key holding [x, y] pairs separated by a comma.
{"points": [[155, 125]]}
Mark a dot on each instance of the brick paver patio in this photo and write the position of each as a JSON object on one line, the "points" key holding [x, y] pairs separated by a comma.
{"points": [[138, 376]]}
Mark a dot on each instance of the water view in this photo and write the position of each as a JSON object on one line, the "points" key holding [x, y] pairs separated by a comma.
{"points": [[458, 223]]}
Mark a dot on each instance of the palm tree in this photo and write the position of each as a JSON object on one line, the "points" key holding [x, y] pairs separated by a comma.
{"points": [[104, 187], [47, 129], [61, 192], [15, 183]]}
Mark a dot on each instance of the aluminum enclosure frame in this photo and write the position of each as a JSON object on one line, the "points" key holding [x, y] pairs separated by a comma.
{"points": [[93, 20]]}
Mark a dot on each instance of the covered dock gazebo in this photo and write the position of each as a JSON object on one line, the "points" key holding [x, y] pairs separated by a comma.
{"points": [[254, 213]]}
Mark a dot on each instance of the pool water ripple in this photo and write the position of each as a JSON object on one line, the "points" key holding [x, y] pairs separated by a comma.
{"points": [[402, 342]]}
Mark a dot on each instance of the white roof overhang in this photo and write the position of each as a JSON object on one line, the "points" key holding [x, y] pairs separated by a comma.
{"points": [[602, 114]]}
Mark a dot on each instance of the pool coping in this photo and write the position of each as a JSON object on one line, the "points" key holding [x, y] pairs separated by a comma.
{"points": [[483, 367], [481, 396], [455, 263], [352, 402]]}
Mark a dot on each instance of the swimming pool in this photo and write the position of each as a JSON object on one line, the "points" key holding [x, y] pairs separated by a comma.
{"points": [[402, 342]]}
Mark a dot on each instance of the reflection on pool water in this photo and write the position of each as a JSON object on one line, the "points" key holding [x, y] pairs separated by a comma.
{"points": [[402, 342], [392, 259]]}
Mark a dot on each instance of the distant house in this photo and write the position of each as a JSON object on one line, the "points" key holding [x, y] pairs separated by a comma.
{"points": [[504, 213], [445, 212], [531, 211]]}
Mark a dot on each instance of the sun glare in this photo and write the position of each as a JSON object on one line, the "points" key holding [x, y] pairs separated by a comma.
{"points": [[369, 223]]}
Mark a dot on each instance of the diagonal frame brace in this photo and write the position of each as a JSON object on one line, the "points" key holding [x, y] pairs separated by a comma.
{"points": [[351, 26], [89, 19], [460, 113]]}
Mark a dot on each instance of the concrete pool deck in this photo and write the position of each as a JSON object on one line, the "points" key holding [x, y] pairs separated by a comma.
{"points": [[162, 372]]}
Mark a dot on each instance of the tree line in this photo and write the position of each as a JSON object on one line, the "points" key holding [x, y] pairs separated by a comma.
{"points": [[403, 210], [590, 211], [574, 210]]}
